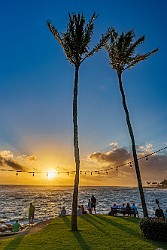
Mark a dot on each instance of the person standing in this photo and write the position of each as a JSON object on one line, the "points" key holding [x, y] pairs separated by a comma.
{"points": [[31, 213], [93, 203], [89, 207], [134, 208], [128, 209], [165, 214]]}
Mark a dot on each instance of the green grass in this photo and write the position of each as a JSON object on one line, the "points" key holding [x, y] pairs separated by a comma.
{"points": [[95, 232]]}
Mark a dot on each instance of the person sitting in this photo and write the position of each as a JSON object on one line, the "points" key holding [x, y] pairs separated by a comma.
{"points": [[115, 206], [63, 212], [123, 207], [128, 209], [165, 214], [134, 209], [16, 227], [114, 209], [159, 213], [79, 211], [83, 210]]}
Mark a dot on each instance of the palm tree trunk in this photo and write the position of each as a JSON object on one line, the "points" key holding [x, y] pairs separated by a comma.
{"points": [[145, 213], [76, 153]]}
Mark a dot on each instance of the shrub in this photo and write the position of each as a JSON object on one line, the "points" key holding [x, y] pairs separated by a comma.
{"points": [[154, 228]]}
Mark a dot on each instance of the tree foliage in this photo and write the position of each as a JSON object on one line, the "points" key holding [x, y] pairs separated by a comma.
{"points": [[76, 39], [122, 50]]}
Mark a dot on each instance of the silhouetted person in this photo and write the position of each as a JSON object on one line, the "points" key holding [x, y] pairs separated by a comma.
{"points": [[83, 209], [31, 213], [159, 213], [93, 203], [128, 209]]}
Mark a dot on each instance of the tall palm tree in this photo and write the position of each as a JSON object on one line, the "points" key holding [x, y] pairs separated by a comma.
{"points": [[121, 51], [75, 43]]}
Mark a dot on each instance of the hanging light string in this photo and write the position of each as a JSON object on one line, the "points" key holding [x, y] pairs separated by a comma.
{"points": [[142, 157], [84, 172]]}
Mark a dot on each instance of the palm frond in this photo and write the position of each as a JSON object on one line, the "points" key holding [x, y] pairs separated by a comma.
{"points": [[139, 58], [121, 50], [89, 32], [101, 44], [55, 33], [76, 40], [133, 46]]}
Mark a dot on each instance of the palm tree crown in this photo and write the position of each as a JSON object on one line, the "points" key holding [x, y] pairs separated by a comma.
{"points": [[76, 40], [121, 51]]}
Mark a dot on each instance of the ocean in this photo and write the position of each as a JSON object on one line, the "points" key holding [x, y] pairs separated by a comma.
{"points": [[48, 200]]}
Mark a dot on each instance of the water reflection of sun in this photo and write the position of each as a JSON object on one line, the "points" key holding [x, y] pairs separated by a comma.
{"points": [[51, 174]]}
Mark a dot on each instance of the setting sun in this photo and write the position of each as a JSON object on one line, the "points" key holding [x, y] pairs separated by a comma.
{"points": [[51, 174]]}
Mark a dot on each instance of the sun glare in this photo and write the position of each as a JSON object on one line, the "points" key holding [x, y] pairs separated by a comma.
{"points": [[51, 174]]}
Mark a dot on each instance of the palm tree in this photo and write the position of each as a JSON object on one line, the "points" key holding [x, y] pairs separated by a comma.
{"points": [[75, 43], [121, 51]]}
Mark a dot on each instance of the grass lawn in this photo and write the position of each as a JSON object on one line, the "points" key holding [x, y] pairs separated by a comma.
{"points": [[95, 232]]}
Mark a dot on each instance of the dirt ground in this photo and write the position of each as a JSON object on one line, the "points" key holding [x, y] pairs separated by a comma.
{"points": [[37, 227]]}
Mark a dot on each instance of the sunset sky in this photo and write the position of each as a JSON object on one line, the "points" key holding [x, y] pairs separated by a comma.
{"points": [[36, 86]]}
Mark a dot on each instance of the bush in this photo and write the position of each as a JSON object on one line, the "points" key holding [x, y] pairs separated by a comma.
{"points": [[154, 228]]}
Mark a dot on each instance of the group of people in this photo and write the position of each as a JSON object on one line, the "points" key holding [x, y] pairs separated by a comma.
{"points": [[81, 210], [90, 207], [124, 209]]}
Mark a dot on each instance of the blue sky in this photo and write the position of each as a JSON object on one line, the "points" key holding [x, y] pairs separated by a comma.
{"points": [[36, 80]]}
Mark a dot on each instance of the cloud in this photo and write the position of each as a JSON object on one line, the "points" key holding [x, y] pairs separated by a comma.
{"points": [[13, 164], [154, 169], [6, 154], [19, 163], [116, 156], [27, 158]]}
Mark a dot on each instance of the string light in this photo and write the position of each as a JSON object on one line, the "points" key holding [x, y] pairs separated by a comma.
{"points": [[85, 172], [146, 160]]}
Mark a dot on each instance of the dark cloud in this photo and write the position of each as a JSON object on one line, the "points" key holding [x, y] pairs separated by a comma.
{"points": [[116, 156], [154, 169], [19, 164], [13, 164]]}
